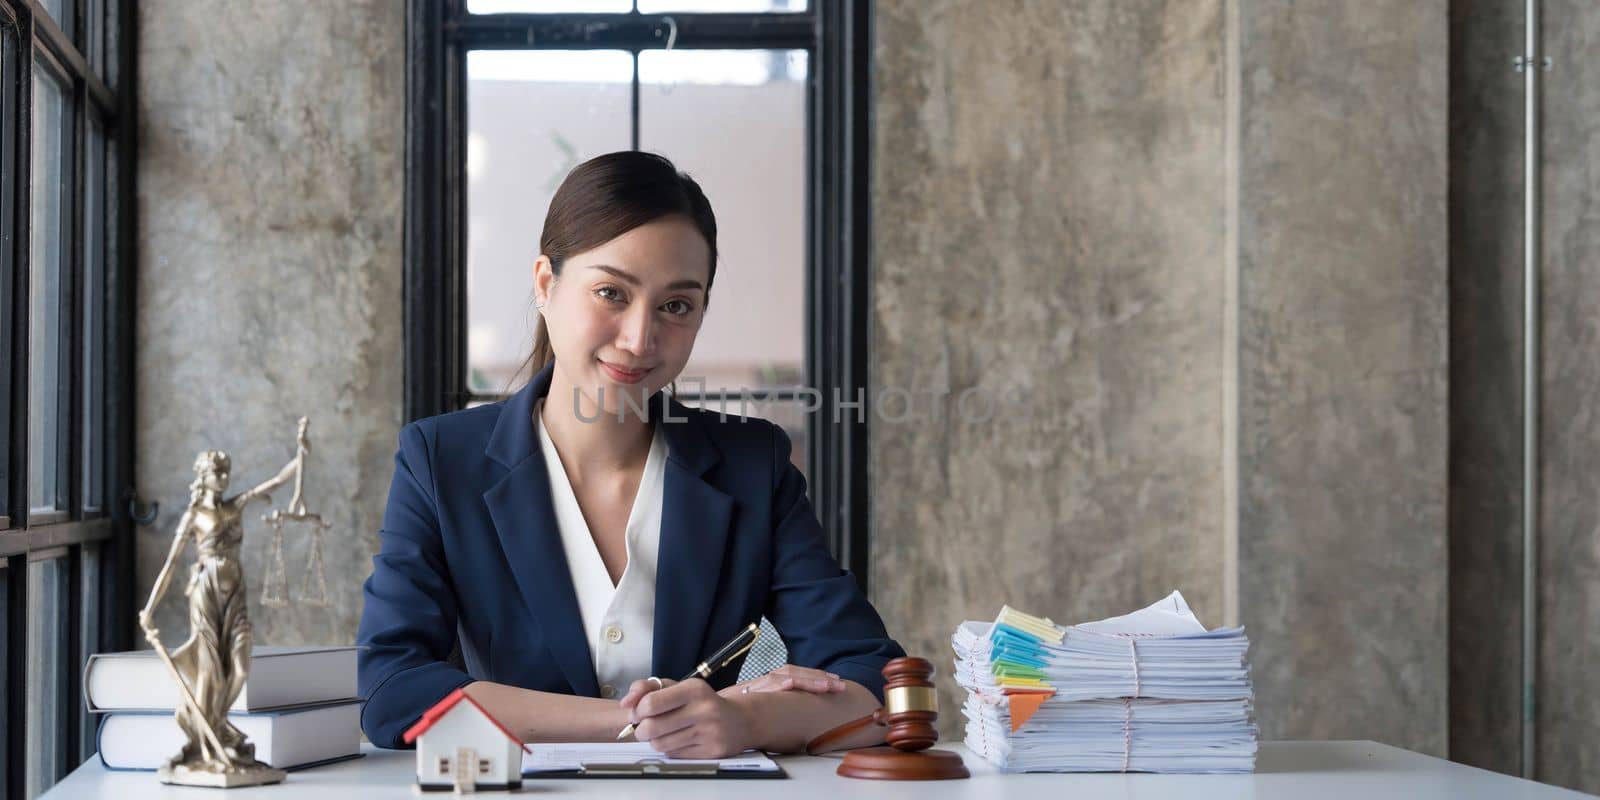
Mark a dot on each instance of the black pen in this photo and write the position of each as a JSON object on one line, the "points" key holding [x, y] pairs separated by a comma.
{"points": [[735, 647]]}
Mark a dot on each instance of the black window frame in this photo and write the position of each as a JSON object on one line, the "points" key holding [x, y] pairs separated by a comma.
{"points": [[99, 76], [837, 36]]}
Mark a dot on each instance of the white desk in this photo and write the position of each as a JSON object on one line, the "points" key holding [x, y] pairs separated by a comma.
{"points": [[1300, 770]]}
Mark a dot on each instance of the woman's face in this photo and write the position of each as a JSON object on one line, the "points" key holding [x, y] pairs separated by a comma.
{"points": [[624, 315]]}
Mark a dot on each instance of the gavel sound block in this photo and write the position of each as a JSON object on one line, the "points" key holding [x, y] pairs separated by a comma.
{"points": [[909, 710]]}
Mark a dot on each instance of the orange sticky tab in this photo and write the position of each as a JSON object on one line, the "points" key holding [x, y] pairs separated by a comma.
{"points": [[1023, 706]]}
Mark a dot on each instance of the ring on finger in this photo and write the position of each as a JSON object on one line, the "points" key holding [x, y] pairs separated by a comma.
{"points": [[659, 684]]}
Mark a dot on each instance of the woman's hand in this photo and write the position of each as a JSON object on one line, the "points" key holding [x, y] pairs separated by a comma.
{"points": [[688, 719], [789, 677]]}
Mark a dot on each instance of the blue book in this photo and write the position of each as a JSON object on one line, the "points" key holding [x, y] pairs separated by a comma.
{"points": [[288, 738]]}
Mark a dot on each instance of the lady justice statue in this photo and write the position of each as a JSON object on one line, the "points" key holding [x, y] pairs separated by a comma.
{"points": [[211, 666]]}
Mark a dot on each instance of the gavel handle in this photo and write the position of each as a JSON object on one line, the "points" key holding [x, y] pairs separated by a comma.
{"points": [[831, 738]]}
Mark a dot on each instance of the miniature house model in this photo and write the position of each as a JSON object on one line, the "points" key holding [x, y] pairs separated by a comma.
{"points": [[461, 747]]}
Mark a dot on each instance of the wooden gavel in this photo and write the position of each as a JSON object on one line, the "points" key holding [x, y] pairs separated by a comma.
{"points": [[910, 707]]}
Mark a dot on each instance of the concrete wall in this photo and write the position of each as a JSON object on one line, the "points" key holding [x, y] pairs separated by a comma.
{"points": [[270, 185], [1048, 216], [1209, 239], [1342, 367], [1569, 546]]}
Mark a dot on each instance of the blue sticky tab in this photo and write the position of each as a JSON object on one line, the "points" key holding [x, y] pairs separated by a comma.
{"points": [[1004, 632], [1029, 656]]}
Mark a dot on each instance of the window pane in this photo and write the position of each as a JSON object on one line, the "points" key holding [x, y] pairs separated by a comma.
{"points": [[45, 430], [11, 438], [94, 368], [113, 45], [94, 13], [753, 171], [46, 647], [548, 6], [61, 12], [89, 616], [531, 118], [719, 6]]}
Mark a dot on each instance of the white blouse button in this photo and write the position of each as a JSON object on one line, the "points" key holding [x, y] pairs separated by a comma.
{"points": [[613, 634], [607, 690]]}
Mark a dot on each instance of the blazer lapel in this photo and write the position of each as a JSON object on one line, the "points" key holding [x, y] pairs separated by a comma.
{"points": [[694, 532], [524, 517]]}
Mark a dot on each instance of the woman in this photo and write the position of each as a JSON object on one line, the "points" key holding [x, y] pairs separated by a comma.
{"points": [[588, 537]]}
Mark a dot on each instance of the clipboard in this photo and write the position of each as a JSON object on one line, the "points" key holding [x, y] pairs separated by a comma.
{"points": [[614, 760], [660, 771]]}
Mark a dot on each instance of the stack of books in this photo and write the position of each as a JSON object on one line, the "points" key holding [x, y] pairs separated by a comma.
{"points": [[298, 707], [1151, 691]]}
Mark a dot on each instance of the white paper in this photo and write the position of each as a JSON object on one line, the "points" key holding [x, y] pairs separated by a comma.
{"points": [[1169, 617], [568, 757]]}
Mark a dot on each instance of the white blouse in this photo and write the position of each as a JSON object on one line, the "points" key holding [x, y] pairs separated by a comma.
{"points": [[618, 621]]}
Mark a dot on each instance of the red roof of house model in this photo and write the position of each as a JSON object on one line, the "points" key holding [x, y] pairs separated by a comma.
{"points": [[440, 708]]}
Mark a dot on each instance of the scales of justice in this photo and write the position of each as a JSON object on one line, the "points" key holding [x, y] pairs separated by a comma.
{"points": [[211, 666]]}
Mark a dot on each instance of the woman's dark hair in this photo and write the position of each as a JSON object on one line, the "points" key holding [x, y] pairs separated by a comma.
{"points": [[607, 196]]}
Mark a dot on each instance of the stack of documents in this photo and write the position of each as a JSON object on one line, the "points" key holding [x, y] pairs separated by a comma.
{"points": [[1151, 691]]}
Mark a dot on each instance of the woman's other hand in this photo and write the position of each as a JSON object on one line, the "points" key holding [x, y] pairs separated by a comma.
{"points": [[787, 678], [790, 677]]}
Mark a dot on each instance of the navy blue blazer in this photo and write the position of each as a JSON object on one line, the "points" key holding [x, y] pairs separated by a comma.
{"points": [[470, 554]]}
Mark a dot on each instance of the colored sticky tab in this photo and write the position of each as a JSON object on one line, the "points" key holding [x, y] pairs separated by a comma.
{"points": [[1015, 637], [1002, 669], [1023, 627], [1012, 656], [1005, 656], [1038, 626], [1024, 706], [1023, 683]]}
